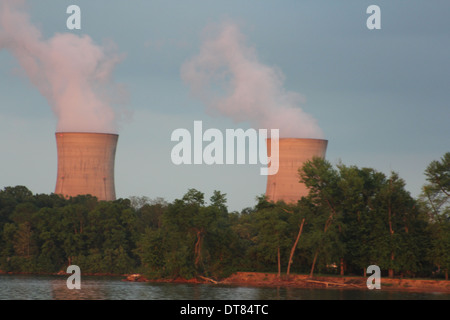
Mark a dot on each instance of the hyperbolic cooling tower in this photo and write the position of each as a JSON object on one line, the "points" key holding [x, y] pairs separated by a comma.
{"points": [[86, 164], [293, 153]]}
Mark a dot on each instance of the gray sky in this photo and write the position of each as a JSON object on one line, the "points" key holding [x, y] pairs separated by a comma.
{"points": [[381, 97]]}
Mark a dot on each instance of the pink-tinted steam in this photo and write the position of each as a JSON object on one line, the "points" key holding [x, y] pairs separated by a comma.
{"points": [[228, 77], [72, 72]]}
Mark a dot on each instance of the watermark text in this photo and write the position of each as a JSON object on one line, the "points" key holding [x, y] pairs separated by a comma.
{"points": [[229, 149]]}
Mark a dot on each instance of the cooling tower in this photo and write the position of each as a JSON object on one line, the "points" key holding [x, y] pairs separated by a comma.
{"points": [[293, 153], [86, 164]]}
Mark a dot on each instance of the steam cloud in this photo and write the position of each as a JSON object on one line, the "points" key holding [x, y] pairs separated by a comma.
{"points": [[72, 72], [227, 76]]}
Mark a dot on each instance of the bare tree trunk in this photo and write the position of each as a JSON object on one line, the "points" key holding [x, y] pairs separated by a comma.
{"points": [[279, 262], [327, 224], [391, 230], [198, 248], [294, 247], [342, 266], [391, 271], [313, 264]]}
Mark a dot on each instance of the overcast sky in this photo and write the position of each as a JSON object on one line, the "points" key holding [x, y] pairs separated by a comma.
{"points": [[381, 97]]}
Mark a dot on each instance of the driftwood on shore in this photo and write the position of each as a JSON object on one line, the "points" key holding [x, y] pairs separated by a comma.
{"points": [[327, 283], [208, 279], [322, 282]]}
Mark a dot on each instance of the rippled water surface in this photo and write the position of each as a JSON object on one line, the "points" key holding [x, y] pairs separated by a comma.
{"points": [[24, 287]]}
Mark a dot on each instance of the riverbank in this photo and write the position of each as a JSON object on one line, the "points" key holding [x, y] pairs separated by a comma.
{"points": [[304, 281], [261, 279]]}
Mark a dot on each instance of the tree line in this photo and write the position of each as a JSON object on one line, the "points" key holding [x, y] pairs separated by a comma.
{"points": [[352, 218]]}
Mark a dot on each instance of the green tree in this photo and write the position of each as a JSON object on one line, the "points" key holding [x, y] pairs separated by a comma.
{"points": [[395, 210], [359, 188], [151, 249], [435, 198], [191, 238], [322, 181], [272, 241], [24, 244]]}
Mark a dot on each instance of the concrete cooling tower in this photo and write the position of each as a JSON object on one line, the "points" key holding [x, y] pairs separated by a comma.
{"points": [[293, 153], [86, 164]]}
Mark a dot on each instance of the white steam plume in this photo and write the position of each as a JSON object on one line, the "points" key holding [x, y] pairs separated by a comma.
{"points": [[72, 72], [227, 76]]}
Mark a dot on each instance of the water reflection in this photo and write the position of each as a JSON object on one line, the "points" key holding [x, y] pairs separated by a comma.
{"points": [[90, 290], [19, 287]]}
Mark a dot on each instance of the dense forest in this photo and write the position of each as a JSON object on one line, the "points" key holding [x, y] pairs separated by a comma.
{"points": [[352, 218]]}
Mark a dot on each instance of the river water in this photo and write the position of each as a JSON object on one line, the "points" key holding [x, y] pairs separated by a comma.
{"points": [[32, 287]]}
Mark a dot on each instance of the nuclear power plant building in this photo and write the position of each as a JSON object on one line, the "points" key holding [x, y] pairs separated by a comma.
{"points": [[86, 164], [293, 153]]}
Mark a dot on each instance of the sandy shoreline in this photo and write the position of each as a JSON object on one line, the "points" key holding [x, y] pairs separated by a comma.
{"points": [[303, 281]]}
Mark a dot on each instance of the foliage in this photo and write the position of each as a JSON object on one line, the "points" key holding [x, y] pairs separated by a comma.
{"points": [[352, 218], [435, 200]]}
